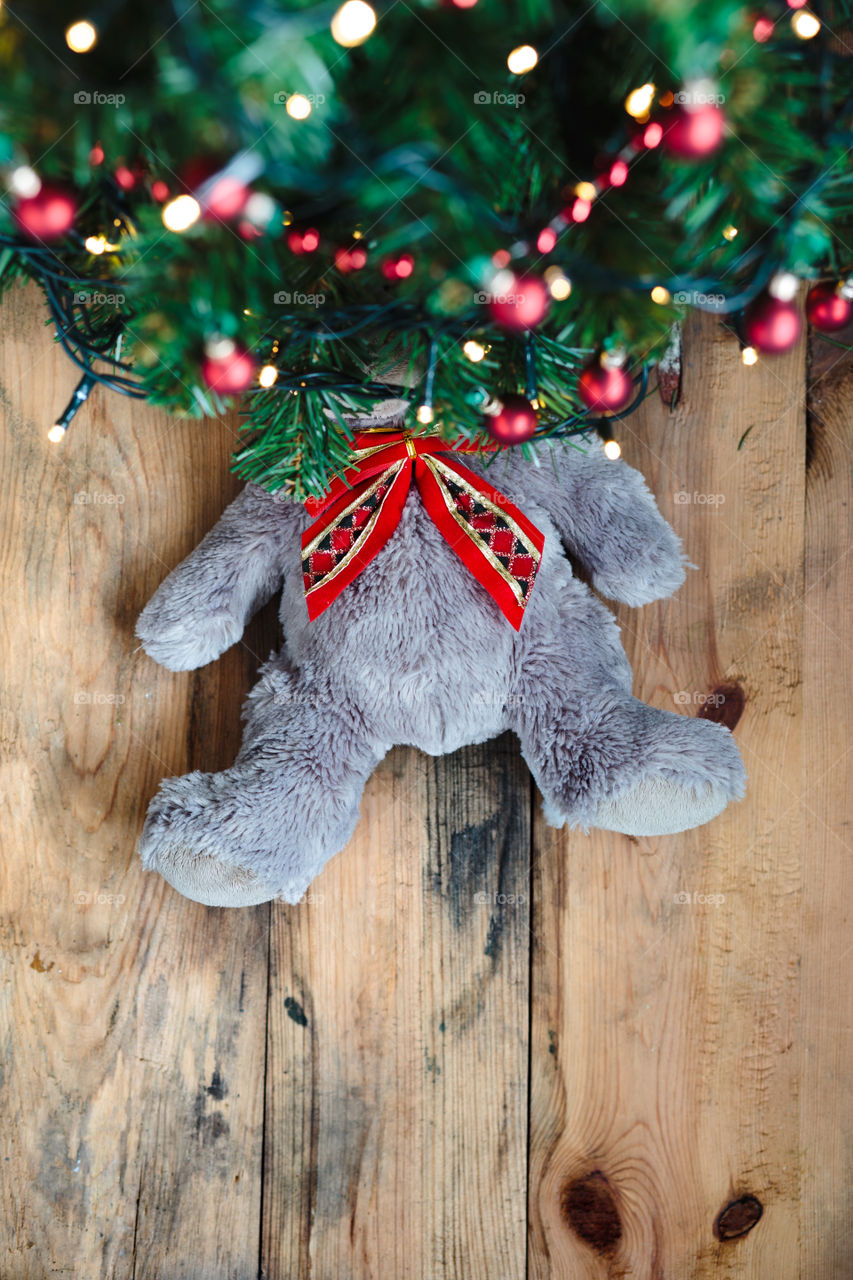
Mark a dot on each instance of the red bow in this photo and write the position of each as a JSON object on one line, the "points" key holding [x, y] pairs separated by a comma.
{"points": [[362, 508]]}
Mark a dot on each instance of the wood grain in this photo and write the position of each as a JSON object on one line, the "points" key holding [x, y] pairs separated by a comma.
{"points": [[664, 1057], [826, 1027], [397, 1053], [133, 1021]]}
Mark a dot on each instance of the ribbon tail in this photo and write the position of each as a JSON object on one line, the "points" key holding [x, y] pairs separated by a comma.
{"points": [[338, 546], [495, 542]]}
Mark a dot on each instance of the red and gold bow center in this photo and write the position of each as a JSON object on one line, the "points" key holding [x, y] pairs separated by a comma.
{"points": [[362, 508]]}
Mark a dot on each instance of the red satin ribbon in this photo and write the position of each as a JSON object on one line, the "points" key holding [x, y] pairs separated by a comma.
{"points": [[362, 508]]}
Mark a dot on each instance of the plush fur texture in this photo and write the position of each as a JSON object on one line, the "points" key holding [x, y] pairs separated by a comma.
{"points": [[415, 651]]}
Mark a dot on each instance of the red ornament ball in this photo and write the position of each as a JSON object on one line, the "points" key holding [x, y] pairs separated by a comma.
{"points": [[229, 374], [521, 304], [826, 309], [48, 215], [605, 390], [516, 422], [696, 133], [772, 325]]}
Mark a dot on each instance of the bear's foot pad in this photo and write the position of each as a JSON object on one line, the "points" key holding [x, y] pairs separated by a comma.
{"points": [[657, 806], [207, 879]]}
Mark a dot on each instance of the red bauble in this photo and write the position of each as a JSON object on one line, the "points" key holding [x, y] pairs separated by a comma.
{"points": [[229, 374], [521, 304], [604, 390], [694, 134], [516, 422], [826, 309], [771, 325], [48, 215]]}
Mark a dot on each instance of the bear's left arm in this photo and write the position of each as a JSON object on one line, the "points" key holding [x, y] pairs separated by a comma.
{"points": [[202, 607], [605, 515]]}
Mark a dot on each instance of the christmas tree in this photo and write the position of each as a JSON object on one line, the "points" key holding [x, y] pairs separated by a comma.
{"points": [[514, 201]]}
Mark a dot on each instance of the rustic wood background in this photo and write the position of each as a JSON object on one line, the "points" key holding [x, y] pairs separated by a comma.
{"points": [[481, 1049]]}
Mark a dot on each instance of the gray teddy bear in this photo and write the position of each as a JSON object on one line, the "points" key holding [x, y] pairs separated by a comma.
{"points": [[414, 649]]}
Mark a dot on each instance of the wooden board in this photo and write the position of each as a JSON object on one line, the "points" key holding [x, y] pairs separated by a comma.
{"points": [[665, 1062], [133, 1021], [396, 1139], [826, 1024]]}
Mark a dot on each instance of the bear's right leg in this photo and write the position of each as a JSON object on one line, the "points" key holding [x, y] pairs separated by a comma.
{"points": [[264, 828]]}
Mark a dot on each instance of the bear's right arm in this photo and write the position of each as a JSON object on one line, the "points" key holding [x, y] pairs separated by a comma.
{"points": [[202, 607]]}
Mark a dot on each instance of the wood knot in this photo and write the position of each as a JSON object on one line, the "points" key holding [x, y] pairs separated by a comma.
{"points": [[724, 705], [588, 1206], [738, 1218]]}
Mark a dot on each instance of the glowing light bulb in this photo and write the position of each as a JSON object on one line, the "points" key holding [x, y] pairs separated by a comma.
{"points": [[805, 25], [749, 355], [661, 295], [618, 173], [784, 286], [763, 30], [522, 59], [56, 433], [559, 286], [353, 23], [586, 191], [181, 213], [425, 414], [81, 37], [474, 350], [729, 232], [652, 135], [546, 240], [25, 182], [612, 450], [268, 375], [639, 101], [96, 244], [298, 107]]}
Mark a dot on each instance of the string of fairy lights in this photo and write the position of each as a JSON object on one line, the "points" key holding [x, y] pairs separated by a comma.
{"points": [[690, 124]]}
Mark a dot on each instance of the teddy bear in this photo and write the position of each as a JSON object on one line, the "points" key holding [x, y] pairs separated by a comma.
{"points": [[428, 600]]}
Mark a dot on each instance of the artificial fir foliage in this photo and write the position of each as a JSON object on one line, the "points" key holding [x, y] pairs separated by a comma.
{"points": [[226, 197]]}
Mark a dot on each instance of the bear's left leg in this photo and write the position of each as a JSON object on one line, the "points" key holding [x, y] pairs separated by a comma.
{"points": [[600, 757], [264, 828]]}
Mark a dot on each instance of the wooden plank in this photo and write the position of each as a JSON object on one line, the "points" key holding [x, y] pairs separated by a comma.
{"points": [[664, 1054], [826, 1118], [397, 1055], [133, 1021]]}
